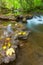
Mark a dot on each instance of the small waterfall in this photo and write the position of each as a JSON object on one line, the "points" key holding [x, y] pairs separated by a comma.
{"points": [[34, 23]]}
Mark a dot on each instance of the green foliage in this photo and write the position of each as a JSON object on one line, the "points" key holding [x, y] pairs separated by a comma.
{"points": [[25, 5], [37, 2]]}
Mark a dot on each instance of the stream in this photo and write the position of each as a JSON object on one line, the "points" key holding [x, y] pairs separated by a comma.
{"points": [[32, 52]]}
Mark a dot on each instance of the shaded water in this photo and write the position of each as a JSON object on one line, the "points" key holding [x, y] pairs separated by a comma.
{"points": [[32, 51]]}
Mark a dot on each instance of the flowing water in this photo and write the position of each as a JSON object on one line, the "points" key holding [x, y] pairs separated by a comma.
{"points": [[36, 24], [32, 52]]}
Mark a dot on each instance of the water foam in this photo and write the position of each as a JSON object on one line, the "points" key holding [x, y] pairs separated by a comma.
{"points": [[35, 21]]}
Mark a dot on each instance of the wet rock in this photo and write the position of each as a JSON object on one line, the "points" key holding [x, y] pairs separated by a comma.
{"points": [[24, 35], [24, 20], [39, 20], [29, 16], [5, 17], [39, 15], [6, 60], [19, 18]]}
